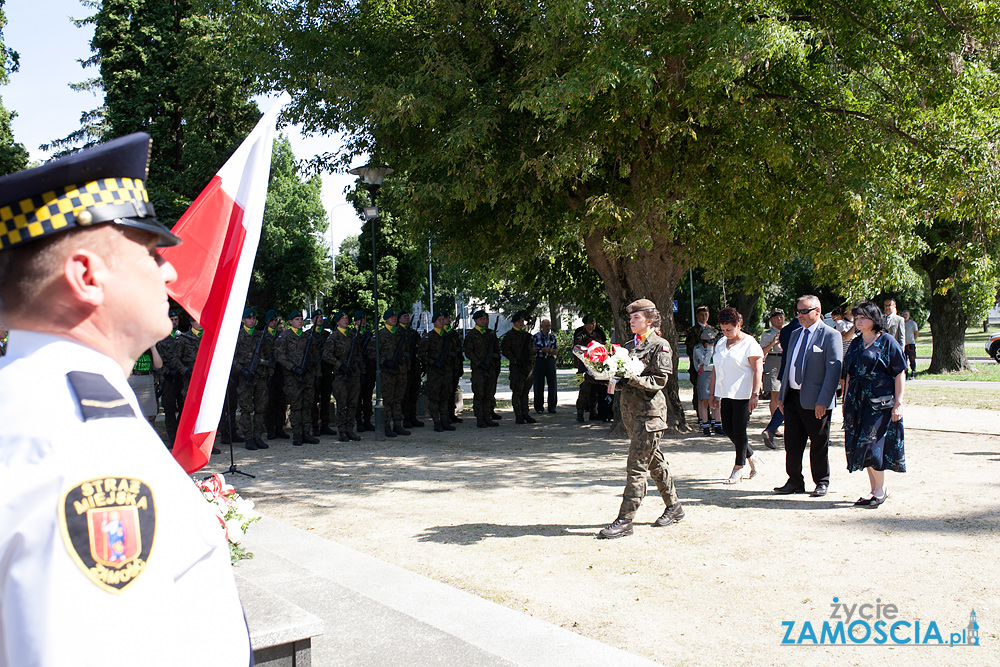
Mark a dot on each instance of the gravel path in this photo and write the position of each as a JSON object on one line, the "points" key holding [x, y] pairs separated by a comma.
{"points": [[510, 514]]}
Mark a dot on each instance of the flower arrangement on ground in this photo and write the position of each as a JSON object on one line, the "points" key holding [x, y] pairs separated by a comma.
{"points": [[603, 366], [234, 513]]}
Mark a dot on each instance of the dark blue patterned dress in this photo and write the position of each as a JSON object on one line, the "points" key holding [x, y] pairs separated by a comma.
{"points": [[871, 438]]}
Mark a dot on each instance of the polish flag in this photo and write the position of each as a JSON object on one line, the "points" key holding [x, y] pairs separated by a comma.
{"points": [[220, 233]]}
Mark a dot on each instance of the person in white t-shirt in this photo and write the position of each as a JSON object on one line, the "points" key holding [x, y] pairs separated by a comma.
{"points": [[737, 374]]}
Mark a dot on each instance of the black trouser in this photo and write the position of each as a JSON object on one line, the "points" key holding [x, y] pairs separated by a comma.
{"points": [[735, 413], [910, 350], [545, 371], [172, 402], [801, 423]]}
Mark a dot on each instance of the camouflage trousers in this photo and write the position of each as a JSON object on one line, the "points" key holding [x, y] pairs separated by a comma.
{"points": [[346, 392], [393, 387], [440, 396], [484, 391], [520, 385], [252, 398], [299, 394], [644, 454]]}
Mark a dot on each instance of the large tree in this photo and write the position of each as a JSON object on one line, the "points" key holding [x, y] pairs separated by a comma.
{"points": [[726, 134], [13, 156]]}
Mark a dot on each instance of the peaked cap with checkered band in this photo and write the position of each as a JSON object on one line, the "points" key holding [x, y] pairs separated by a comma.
{"points": [[102, 184]]}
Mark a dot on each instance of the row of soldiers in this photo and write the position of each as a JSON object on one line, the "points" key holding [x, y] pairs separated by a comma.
{"points": [[284, 367]]}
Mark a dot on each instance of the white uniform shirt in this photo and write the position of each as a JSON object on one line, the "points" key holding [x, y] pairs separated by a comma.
{"points": [[152, 583], [733, 372]]}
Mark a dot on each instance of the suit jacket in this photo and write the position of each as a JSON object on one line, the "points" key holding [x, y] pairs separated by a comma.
{"points": [[821, 367], [895, 326]]}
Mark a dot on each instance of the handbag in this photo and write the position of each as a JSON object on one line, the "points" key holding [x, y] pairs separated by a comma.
{"points": [[882, 402]]}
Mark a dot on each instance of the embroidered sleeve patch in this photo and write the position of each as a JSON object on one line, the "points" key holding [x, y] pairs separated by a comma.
{"points": [[108, 525], [98, 399]]}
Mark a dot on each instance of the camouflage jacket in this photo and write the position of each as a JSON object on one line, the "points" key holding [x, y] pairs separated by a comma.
{"points": [[392, 349], [412, 344], [338, 348], [583, 339], [456, 357], [642, 398], [482, 350], [518, 347], [187, 345], [434, 349], [246, 347], [291, 352], [172, 365]]}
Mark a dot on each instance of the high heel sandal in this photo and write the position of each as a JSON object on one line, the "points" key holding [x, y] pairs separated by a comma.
{"points": [[755, 465], [735, 477]]}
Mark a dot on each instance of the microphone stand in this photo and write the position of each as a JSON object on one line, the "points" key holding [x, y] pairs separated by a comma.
{"points": [[232, 436]]}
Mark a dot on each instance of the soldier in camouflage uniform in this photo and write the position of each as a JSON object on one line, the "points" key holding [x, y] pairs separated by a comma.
{"points": [[435, 348], [457, 357], [365, 408], [276, 403], [251, 365], [320, 410], [3, 341], [294, 352], [172, 379], [392, 355], [342, 351], [644, 413], [481, 349], [188, 344], [413, 371], [519, 349]]}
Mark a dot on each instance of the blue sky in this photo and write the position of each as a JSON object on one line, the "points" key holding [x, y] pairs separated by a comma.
{"points": [[48, 109]]}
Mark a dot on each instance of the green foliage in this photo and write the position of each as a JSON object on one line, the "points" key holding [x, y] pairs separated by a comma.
{"points": [[291, 265], [13, 156]]}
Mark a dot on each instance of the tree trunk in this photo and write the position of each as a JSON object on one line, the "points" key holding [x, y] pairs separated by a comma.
{"points": [[652, 274], [947, 319], [554, 313]]}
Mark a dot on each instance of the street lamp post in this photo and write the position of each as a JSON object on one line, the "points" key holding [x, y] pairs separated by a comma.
{"points": [[372, 176]]}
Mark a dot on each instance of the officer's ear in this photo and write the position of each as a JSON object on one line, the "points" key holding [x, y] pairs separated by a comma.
{"points": [[84, 275]]}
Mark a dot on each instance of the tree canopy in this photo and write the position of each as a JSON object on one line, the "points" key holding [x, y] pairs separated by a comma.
{"points": [[13, 156]]}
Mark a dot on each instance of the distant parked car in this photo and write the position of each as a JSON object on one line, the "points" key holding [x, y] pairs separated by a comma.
{"points": [[993, 346]]}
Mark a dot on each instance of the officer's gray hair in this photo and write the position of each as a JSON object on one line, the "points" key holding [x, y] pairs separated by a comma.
{"points": [[810, 299]]}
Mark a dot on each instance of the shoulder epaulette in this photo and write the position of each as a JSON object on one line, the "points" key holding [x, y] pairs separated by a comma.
{"points": [[97, 397]]}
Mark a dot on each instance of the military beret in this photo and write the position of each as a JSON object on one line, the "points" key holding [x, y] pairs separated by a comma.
{"points": [[294, 314], [316, 313], [249, 312], [641, 304], [518, 316], [359, 315], [776, 311], [338, 315], [403, 311], [271, 315], [104, 183], [438, 314], [388, 313], [173, 313], [588, 318], [479, 313]]}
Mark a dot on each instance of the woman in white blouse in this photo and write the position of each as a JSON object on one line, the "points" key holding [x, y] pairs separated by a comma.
{"points": [[738, 369]]}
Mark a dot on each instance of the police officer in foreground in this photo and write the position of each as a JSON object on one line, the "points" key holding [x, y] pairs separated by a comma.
{"points": [[644, 413], [97, 521]]}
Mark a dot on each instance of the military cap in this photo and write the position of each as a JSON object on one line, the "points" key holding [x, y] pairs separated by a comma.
{"points": [[294, 313], [403, 311], [339, 314], [479, 313], [388, 313], [518, 316], [588, 318], [359, 315], [641, 304], [271, 315], [173, 313], [316, 313], [249, 312], [105, 183], [775, 311], [438, 314]]}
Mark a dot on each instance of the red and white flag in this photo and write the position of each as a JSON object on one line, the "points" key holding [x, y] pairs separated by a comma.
{"points": [[220, 233]]}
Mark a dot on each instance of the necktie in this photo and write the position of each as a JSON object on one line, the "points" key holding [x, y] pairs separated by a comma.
{"points": [[800, 358]]}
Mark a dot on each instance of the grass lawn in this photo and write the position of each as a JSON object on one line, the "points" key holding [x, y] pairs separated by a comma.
{"points": [[958, 396], [974, 341]]}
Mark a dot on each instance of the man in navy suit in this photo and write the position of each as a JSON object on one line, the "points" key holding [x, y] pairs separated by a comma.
{"points": [[809, 381]]}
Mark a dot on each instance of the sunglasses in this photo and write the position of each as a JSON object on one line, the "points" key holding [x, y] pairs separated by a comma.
{"points": [[804, 311]]}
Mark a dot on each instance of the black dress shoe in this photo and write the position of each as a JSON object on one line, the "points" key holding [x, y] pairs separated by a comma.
{"points": [[820, 490], [863, 502], [768, 439], [672, 514], [789, 489], [617, 528]]}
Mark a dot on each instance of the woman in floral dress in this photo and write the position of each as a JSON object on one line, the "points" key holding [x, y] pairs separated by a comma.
{"points": [[873, 400]]}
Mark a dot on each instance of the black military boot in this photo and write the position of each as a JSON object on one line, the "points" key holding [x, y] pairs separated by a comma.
{"points": [[529, 419], [260, 443], [407, 423], [414, 422], [344, 438], [437, 426], [369, 426], [490, 422], [400, 430], [297, 439], [617, 528], [326, 430], [518, 419], [280, 433], [389, 433], [672, 514], [481, 423], [251, 444], [579, 415], [454, 419], [354, 437], [445, 425], [495, 417], [308, 439]]}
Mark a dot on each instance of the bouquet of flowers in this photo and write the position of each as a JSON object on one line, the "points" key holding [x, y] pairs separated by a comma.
{"points": [[234, 513], [603, 366]]}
